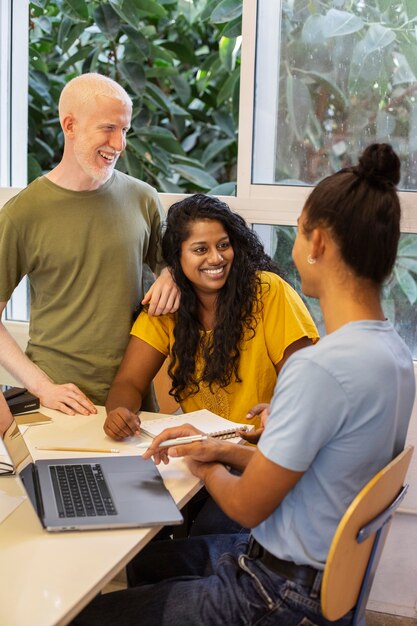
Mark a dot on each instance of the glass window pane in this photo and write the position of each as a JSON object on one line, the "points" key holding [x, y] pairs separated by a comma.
{"points": [[399, 295], [18, 307], [337, 77]]}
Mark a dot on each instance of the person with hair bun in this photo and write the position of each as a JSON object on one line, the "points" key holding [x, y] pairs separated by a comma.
{"points": [[339, 413]]}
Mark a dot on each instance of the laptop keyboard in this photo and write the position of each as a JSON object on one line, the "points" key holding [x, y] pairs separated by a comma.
{"points": [[81, 490]]}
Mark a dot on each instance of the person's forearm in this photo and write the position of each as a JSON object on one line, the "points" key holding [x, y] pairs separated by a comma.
{"points": [[125, 395], [15, 361], [222, 486], [235, 456]]}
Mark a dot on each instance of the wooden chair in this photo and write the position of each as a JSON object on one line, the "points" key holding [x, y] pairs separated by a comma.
{"points": [[358, 542]]}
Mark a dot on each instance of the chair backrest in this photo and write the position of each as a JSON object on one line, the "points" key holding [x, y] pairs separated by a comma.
{"points": [[351, 555]]}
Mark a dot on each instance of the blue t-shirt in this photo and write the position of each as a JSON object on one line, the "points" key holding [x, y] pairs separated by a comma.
{"points": [[340, 412]]}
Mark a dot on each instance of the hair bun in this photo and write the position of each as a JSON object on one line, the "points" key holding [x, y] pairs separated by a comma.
{"points": [[380, 165]]}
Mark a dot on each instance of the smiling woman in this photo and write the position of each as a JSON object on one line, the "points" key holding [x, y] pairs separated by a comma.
{"points": [[237, 324]]}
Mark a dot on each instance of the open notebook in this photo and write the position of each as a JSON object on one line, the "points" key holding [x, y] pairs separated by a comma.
{"points": [[204, 420]]}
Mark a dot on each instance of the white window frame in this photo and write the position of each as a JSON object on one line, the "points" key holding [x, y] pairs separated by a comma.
{"points": [[14, 63]]}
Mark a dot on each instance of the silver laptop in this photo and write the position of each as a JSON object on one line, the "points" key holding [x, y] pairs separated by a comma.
{"points": [[92, 493]]}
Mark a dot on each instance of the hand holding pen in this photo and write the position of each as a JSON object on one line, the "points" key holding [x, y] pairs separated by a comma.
{"points": [[182, 441]]}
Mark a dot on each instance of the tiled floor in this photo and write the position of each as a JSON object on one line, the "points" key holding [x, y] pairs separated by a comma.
{"points": [[382, 619]]}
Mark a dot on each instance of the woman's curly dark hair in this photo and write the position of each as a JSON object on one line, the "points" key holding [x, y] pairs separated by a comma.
{"points": [[236, 303]]}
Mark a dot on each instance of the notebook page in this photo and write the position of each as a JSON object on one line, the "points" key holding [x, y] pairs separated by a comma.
{"points": [[204, 420]]}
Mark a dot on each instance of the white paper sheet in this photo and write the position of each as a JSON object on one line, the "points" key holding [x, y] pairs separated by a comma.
{"points": [[8, 504]]}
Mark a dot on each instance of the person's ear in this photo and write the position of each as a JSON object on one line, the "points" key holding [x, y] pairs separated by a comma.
{"points": [[318, 238], [68, 124]]}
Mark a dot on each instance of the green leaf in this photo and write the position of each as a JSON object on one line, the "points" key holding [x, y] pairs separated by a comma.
{"points": [[228, 51], [228, 86], [160, 72], [151, 7], [36, 61], [76, 8], [214, 148], [410, 53], [225, 189], [134, 74], [328, 83], [131, 11], [407, 263], [163, 137], [226, 11], [159, 97], [411, 8], [183, 50], [68, 33], [367, 58], [313, 30], [80, 55], [34, 169], [182, 87], [127, 10], [137, 39], [49, 152], [385, 125], [384, 5], [299, 105], [339, 23], [409, 248], [208, 9], [233, 28], [403, 74], [45, 24], [225, 122], [40, 86], [107, 20], [198, 177], [407, 284]]}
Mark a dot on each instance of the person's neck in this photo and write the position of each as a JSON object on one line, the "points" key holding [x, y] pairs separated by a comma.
{"points": [[351, 301], [207, 310], [67, 178]]}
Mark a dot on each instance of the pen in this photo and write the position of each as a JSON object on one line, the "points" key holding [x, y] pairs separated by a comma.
{"points": [[179, 441], [69, 449]]}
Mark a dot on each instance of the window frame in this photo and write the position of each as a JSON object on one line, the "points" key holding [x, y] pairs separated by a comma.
{"points": [[14, 64]]}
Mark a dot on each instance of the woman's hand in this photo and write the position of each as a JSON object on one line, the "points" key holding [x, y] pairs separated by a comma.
{"points": [[121, 423], [67, 398], [261, 411]]}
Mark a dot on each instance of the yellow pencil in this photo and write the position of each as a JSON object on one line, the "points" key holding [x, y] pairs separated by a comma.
{"points": [[69, 449]]}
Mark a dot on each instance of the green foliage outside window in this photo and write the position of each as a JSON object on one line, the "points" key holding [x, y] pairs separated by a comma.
{"points": [[348, 78], [178, 60]]}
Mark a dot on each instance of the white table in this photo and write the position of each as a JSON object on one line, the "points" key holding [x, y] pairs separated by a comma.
{"points": [[47, 578]]}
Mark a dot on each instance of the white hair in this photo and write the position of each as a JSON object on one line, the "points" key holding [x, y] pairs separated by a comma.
{"points": [[81, 89]]}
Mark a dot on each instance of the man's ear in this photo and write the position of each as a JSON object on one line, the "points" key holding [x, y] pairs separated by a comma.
{"points": [[68, 124]]}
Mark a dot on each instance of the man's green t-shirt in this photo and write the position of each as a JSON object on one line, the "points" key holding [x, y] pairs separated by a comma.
{"points": [[83, 253]]}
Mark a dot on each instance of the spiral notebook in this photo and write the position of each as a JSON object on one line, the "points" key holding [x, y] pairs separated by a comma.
{"points": [[204, 420]]}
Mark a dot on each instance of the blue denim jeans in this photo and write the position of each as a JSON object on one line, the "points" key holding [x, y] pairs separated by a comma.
{"points": [[205, 581]]}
